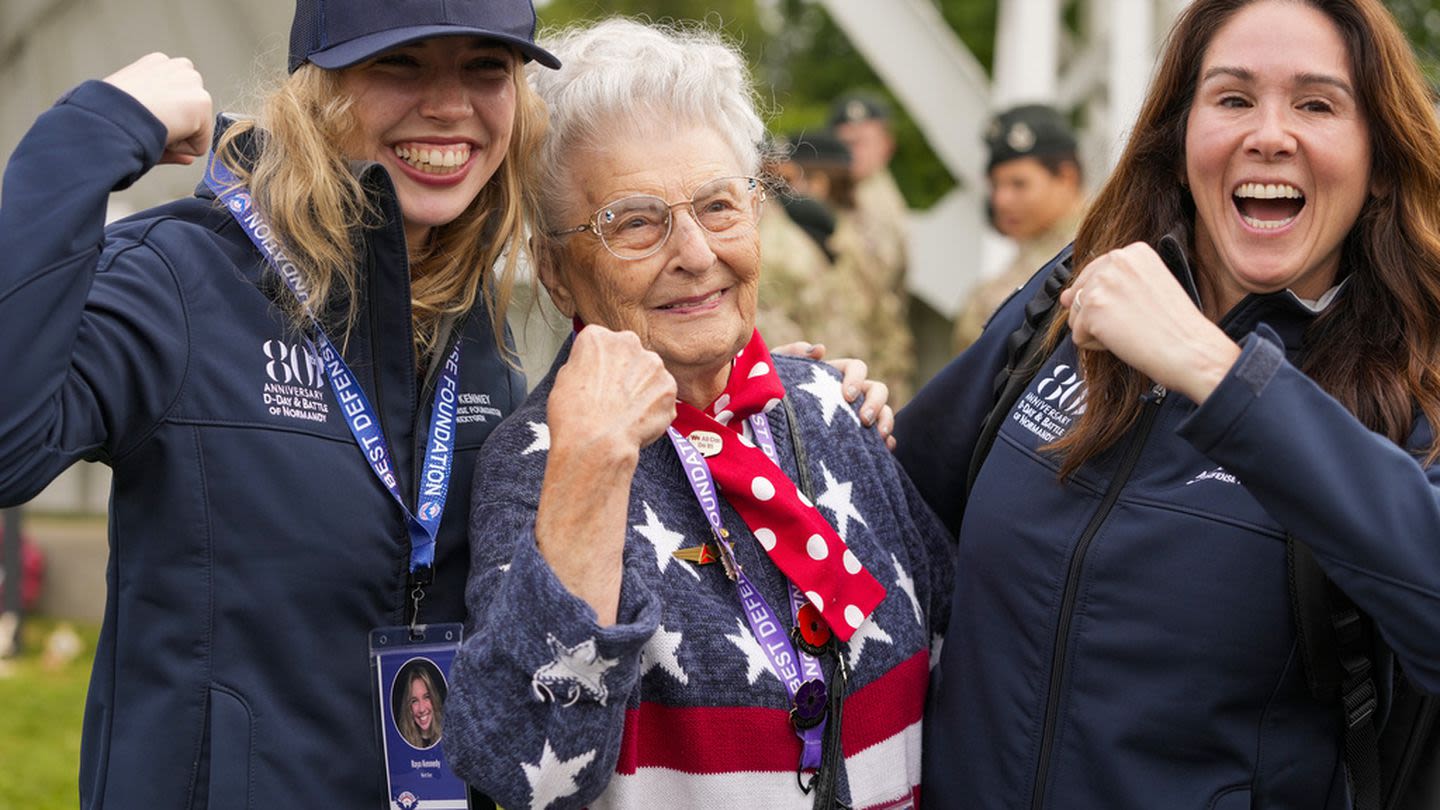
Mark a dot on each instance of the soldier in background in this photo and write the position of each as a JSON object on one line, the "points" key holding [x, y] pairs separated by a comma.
{"points": [[1036, 198], [802, 294], [880, 224]]}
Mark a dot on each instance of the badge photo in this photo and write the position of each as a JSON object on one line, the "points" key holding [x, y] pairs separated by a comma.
{"points": [[417, 701], [411, 667]]}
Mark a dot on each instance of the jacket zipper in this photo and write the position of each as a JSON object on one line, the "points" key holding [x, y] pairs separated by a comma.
{"points": [[1072, 586], [373, 316]]}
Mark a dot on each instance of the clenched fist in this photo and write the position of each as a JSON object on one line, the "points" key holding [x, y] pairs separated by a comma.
{"points": [[611, 398], [1128, 303], [172, 90], [612, 390]]}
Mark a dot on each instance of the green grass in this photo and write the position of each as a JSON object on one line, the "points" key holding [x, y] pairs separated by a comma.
{"points": [[40, 714]]}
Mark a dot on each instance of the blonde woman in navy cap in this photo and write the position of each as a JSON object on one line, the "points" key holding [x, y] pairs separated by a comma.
{"points": [[288, 373]]}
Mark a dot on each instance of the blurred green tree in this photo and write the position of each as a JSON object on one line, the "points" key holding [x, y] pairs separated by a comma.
{"points": [[1421, 21]]}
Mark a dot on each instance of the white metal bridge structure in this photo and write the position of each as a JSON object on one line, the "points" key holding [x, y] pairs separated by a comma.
{"points": [[1102, 70]]}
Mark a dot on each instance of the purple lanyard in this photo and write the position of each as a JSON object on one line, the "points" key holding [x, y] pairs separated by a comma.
{"points": [[802, 675]]}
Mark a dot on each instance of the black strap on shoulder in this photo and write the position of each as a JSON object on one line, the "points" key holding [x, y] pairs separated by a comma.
{"points": [[826, 784], [1335, 646], [1311, 609], [1025, 346]]}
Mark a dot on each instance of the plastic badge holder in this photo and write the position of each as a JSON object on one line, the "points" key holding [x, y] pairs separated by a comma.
{"points": [[411, 667]]}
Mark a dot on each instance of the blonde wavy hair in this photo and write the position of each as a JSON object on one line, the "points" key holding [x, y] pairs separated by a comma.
{"points": [[302, 180]]}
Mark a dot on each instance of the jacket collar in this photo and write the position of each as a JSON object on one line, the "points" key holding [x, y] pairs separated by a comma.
{"points": [[1283, 311], [383, 275]]}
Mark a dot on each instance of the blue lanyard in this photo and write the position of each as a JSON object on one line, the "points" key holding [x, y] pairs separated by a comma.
{"points": [[799, 671], [434, 484]]}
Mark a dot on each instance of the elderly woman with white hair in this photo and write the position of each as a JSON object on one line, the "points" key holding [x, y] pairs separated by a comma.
{"points": [[636, 640]]}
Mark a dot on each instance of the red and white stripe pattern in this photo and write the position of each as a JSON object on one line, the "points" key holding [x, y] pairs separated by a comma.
{"points": [[708, 756]]}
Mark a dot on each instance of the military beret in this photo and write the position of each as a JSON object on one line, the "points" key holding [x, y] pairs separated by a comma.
{"points": [[858, 106], [1031, 130]]}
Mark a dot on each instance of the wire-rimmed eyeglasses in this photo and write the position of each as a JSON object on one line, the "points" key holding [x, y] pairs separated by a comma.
{"points": [[637, 226]]}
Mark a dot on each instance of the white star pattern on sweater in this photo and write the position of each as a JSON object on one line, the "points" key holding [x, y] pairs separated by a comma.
{"points": [[907, 584], [541, 443], [663, 650], [754, 656], [553, 778], [827, 389], [869, 630], [837, 499], [578, 671], [665, 541]]}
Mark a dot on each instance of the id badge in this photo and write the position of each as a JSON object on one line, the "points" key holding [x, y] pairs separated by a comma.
{"points": [[412, 671]]}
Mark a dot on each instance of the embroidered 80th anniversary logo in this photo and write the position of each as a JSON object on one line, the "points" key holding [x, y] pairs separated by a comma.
{"points": [[295, 388], [1049, 410]]}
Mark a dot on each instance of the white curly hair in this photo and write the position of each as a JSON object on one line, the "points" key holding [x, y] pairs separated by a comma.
{"points": [[622, 76]]}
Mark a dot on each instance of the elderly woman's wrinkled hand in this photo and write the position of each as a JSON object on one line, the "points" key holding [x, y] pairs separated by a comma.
{"points": [[1127, 302], [611, 398], [612, 390]]}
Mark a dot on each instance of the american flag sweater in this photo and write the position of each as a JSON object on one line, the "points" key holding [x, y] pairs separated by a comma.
{"points": [[676, 705]]}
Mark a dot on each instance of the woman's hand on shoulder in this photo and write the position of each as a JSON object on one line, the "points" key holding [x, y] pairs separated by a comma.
{"points": [[1127, 302], [853, 370], [172, 90], [612, 393]]}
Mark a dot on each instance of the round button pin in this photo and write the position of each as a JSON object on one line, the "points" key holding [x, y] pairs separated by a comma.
{"points": [[810, 706], [811, 631]]}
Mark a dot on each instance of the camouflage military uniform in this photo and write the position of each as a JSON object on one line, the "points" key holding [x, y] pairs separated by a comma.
{"points": [[983, 299], [801, 295], [872, 246]]}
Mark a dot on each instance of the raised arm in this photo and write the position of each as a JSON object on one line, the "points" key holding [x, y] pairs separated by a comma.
{"points": [[558, 619], [91, 358]]}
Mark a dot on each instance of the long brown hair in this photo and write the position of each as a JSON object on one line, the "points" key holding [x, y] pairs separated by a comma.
{"points": [[302, 181], [1376, 349]]}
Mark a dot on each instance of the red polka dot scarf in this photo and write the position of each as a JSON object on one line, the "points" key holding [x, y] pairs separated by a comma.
{"points": [[804, 546]]}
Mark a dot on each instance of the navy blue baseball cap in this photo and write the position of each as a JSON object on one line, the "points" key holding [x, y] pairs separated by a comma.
{"points": [[339, 33]]}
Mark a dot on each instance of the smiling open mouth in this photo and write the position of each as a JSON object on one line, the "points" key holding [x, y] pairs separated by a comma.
{"points": [[434, 159], [1268, 206]]}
